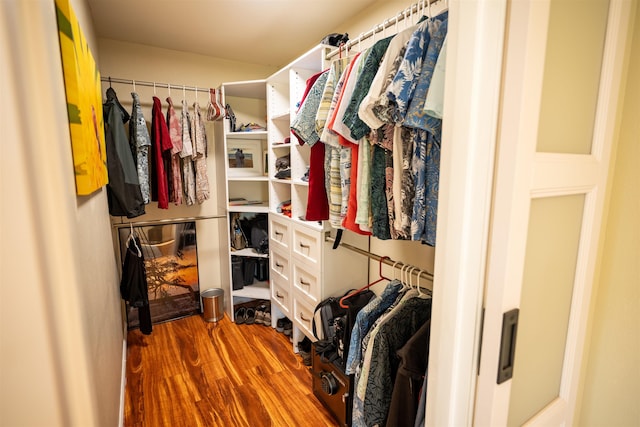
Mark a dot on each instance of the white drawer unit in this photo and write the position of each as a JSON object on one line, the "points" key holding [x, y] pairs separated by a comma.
{"points": [[299, 275], [280, 264], [307, 282], [303, 315], [281, 295], [306, 244], [279, 235]]}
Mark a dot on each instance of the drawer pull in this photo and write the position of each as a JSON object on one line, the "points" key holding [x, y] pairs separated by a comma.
{"points": [[302, 282], [302, 245], [279, 296], [279, 265], [277, 233], [304, 318]]}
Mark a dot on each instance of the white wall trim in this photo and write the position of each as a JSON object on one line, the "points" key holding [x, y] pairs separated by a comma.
{"points": [[123, 381], [474, 69]]}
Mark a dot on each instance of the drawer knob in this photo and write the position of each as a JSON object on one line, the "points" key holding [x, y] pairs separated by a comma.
{"points": [[277, 233], [302, 282], [279, 265], [302, 245], [278, 295], [304, 318]]}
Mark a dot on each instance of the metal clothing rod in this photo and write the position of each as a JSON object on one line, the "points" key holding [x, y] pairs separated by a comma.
{"points": [[384, 260], [402, 15], [165, 221], [152, 84]]}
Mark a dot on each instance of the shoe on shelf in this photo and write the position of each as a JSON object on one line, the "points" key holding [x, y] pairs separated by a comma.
{"points": [[250, 317], [280, 324], [306, 357], [267, 318], [305, 345], [260, 314], [288, 329], [240, 315]]}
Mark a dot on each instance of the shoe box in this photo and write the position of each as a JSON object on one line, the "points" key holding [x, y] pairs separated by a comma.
{"points": [[332, 387]]}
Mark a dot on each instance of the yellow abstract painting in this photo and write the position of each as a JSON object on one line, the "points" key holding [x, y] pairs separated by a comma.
{"points": [[84, 103]]}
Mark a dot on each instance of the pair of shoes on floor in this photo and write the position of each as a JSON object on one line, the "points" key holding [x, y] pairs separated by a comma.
{"points": [[304, 350], [263, 314], [245, 315], [285, 326]]}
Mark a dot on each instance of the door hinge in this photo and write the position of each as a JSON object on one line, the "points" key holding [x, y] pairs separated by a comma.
{"points": [[508, 345]]}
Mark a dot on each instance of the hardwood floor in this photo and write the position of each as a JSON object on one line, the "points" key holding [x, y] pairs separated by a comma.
{"points": [[189, 372]]}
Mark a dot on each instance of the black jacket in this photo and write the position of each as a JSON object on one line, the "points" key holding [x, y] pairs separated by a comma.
{"points": [[123, 189]]}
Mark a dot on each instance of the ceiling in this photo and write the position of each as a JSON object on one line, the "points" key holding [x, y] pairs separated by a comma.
{"points": [[266, 32]]}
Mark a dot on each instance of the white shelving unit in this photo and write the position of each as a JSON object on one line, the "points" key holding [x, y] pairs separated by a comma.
{"points": [[299, 256], [244, 177]]}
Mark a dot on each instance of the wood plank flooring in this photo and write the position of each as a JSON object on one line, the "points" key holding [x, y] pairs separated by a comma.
{"points": [[189, 372]]}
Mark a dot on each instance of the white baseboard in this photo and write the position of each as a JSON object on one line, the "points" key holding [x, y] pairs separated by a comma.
{"points": [[123, 380]]}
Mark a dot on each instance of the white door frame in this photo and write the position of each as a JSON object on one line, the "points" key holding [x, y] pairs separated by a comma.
{"points": [[474, 67], [476, 43]]}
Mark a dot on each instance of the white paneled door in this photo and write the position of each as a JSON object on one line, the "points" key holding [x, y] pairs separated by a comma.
{"points": [[561, 76]]}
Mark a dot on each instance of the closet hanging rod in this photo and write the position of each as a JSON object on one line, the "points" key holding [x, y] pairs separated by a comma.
{"points": [[153, 84], [400, 16], [165, 221], [384, 260]]}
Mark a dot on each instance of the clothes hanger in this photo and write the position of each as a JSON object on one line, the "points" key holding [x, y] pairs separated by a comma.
{"points": [[364, 288], [410, 276], [132, 236], [403, 277], [394, 270]]}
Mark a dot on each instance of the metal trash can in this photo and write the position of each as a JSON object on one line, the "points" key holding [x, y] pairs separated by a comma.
{"points": [[213, 304]]}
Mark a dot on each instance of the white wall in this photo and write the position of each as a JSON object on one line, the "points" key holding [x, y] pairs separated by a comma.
{"points": [[611, 383], [61, 323]]}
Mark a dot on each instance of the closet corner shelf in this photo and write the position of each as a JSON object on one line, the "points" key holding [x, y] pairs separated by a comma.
{"points": [[276, 146], [284, 115], [258, 134], [258, 290], [249, 178], [248, 252], [300, 183], [261, 208], [281, 181]]}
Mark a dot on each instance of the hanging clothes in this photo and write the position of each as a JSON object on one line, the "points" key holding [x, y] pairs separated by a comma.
{"points": [[331, 152], [427, 137], [175, 133], [140, 143], [405, 396], [123, 190], [384, 75], [188, 173], [434, 103], [199, 139], [133, 285], [401, 90], [386, 133], [301, 105], [393, 331], [161, 144], [370, 66], [365, 319], [379, 210], [304, 127]]}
